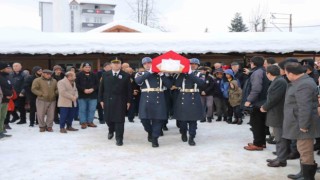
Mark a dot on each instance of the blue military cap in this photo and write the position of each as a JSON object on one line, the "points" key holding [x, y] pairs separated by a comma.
{"points": [[194, 61], [146, 60]]}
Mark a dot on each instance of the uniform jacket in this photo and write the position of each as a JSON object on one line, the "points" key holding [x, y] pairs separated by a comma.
{"points": [[45, 89], [235, 95], [153, 105], [188, 105], [66, 92], [300, 109], [115, 93], [275, 102]]}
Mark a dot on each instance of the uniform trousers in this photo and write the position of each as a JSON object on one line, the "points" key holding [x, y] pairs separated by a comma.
{"points": [[153, 126], [192, 127]]}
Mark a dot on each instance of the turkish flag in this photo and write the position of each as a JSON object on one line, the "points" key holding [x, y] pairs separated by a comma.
{"points": [[171, 62]]}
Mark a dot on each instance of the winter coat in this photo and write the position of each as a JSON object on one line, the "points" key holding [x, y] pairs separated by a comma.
{"points": [[115, 93], [84, 81], [216, 88], [256, 87], [275, 102], [152, 105], [188, 105], [235, 94], [17, 80], [45, 89], [300, 109], [225, 83], [209, 84], [6, 86], [66, 92], [28, 84]]}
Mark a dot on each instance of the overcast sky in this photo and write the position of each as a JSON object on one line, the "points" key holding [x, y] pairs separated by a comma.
{"points": [[185, 15]]}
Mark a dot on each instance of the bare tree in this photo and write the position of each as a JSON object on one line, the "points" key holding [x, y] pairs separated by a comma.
{"points": [[257, 19]]}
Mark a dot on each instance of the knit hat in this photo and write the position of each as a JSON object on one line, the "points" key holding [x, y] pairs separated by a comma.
{"points": [[57, 67], [4, 65], [36, 69]]}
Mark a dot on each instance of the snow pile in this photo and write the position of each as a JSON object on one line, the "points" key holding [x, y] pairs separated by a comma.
{"points": [[126, 23], [88, 154], [135, 43]]}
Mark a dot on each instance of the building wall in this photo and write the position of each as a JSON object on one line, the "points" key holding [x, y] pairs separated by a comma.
{"points": [[46, 13]]}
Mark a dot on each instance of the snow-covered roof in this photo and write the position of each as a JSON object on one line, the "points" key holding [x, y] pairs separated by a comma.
{"points": [[135, 43], [126, 23], [109, 2]]}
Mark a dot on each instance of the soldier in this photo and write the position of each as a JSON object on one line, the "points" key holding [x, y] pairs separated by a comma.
{"points": [[188, 108], [152, 108], [115, 94]]}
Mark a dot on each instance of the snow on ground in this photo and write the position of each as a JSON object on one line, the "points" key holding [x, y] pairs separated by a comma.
{"points": [[88, 154]]}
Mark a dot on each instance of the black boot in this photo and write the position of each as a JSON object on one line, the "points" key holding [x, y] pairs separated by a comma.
{"points": [[2, 135], [317, 144], [191, 141], [155, 142], [184, 137], [150, 137], [7, 126], [240, 121], [161, 132], [14, 119], [22, 122], [296, 176], [209, 119], [203, 120], [309, 171], [219, 118], [165, 128], [225, 118]]}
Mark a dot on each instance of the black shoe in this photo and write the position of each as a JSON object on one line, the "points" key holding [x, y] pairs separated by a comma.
{"points": [[271, 141], [209, 119], [76, 119], [2, 135], [191, 141], [274, 153], [131, 120], [271, 160], [225, 118], [219, 118], [240, 121], [119, 142], [149, 137], [110, 135], [203, 120], [184, 137], [7, 126], [165, 128], [31, 125], [161, 133], [277, 164], [14, 119], [155, 142], [102, 122], [57, 121], [316, 147], [22, 122], [293, 156]]}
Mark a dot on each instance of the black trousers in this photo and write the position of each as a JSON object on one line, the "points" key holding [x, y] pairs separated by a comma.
{"points": [[33, 110], [258, 120], [192, 127], [116, 127], [100, 112], [20, 106], [153, 126]]}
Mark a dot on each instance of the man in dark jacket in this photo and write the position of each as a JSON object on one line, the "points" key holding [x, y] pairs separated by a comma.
{"points": [[301, 116], [17, 78], [221, 106], [106, 67], [6, 88], [115, 94], [256, 98], [274, 108], [206, 94], [87, 85], [36, 72], [153, 110], [57, 75]]}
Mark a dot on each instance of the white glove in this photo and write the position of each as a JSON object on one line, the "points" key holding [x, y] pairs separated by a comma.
{"points": [[161, 73], [190, 70], [150, 71]]}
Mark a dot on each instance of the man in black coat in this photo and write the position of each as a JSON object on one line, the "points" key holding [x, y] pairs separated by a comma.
{"points": [[153, 110], [274, 108], [36, 72], [115, 93], [106, 67], [6, 88]]}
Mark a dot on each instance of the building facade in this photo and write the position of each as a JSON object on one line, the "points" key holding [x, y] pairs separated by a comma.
{"points": [[75, 15]]}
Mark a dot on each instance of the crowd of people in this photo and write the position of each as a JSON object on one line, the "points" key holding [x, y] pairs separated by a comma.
{"points": [[280, 98]]}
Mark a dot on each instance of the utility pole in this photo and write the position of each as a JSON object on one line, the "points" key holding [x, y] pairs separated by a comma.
{"points": [[263, 25], [290, 23], [281, 18]]}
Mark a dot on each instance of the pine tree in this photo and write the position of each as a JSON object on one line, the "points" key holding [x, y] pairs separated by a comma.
{"points": [[237, 24]]}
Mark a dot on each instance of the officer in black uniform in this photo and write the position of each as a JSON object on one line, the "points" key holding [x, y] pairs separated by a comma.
{"points": [[152, 107], [188, 108]]}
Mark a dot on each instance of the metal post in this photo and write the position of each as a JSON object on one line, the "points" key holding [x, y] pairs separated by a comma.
{"points": [[290, 23]]}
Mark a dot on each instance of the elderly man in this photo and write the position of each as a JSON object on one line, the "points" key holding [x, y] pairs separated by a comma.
{"points": [[301, 117], [115, 93], [274, 108], [45, 88], [67, 101]]}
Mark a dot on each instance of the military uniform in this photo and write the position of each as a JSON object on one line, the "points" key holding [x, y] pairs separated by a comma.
{"points": [[152, 107], [188, 108]]}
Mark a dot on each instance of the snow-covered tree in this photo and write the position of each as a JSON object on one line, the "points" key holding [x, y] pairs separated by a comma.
{"points": [[237, 24]]}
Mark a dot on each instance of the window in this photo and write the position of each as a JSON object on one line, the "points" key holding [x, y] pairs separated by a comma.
{"points": [[98, 20], [96, 7]]}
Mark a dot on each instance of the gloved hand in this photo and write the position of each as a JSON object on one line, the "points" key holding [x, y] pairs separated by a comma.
{"points": [[190, 70], [161, 73], [150, 71]]}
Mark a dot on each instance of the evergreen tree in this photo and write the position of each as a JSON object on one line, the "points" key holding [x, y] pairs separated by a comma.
{"points": [[237, 24]]}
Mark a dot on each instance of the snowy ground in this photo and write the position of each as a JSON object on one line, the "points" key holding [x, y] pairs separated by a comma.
{"points": [[88, 154]]}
